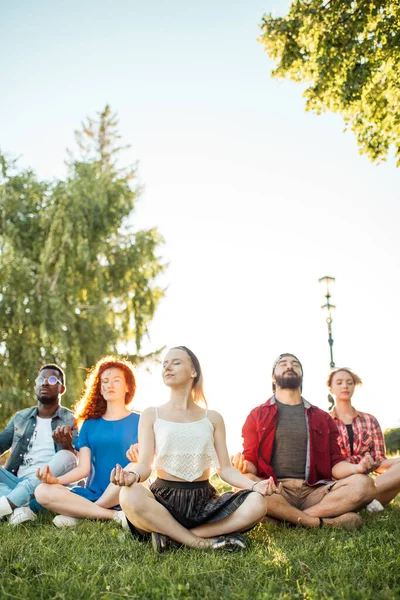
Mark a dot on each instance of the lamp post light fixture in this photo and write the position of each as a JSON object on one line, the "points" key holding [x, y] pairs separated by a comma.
{"points": [[327, 281]]}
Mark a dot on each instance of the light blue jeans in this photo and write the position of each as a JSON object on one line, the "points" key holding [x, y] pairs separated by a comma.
{"points": [[20, 490]]}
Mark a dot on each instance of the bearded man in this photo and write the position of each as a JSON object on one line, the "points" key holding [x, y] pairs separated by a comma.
{"points": [[296, 443]]}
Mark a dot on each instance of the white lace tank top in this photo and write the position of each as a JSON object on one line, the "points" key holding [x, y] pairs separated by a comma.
{"points": [[185, 450]]}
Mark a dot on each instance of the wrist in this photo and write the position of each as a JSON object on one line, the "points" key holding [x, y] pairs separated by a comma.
{"points": [[254, 485], [137, 475], [67, 446], [253, 488]]}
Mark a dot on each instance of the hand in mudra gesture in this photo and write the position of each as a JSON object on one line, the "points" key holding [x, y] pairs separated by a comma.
{"points": [[133, 453], [239, 462], [267, 487], [367, 464], [46, 476], [62, 436], [121, 477]]}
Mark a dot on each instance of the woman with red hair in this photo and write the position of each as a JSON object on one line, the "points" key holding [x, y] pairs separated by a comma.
{"points": [[107, 432]]}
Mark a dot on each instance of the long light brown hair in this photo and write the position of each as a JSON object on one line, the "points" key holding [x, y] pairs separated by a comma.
{"points": [[91, 404], [198, 382]]}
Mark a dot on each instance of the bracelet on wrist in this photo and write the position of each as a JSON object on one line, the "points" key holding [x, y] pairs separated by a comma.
{"points": [[254, 485], [137, 475]]}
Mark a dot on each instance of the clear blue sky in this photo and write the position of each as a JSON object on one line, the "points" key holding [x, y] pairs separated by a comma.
{"points": [[256, 198]]}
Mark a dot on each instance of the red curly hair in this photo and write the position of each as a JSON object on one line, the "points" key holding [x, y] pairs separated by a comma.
{"points": [[91, 404]]}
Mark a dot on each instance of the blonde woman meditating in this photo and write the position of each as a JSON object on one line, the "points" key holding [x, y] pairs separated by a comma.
{"points": [[360, 437], [188, 441], [107, 432]]}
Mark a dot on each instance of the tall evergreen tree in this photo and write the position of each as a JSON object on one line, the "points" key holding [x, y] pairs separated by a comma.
{"points": [[76, 280]]}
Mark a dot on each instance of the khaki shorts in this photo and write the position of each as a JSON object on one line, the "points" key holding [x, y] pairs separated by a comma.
{"points": [[301, 495]]}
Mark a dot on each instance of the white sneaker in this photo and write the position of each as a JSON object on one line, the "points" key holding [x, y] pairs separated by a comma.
{"points": [[374, 506], [120, 518], [5, 508], [22, 514], [64, 521]]}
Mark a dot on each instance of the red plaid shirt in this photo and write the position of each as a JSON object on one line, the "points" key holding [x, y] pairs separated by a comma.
{"points": [[368, 437], [323, 451]]}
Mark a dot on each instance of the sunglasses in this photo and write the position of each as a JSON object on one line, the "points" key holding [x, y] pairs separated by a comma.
{"points": [[52, 380]]}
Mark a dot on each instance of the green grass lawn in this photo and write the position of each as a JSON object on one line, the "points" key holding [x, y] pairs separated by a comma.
{"points": [[100, 560]]}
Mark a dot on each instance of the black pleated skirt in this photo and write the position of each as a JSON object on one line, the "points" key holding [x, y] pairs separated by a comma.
{"points": [[193, 503], [197, 502]]}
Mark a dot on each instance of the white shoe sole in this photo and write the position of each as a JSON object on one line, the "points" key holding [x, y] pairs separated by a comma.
{"points": [[64, 521], [18, 520]]}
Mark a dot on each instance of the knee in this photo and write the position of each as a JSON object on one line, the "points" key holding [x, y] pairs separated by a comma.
{"points": [[257, 505], [364, 488], [132, 499], [68, 458], [44, 494]]}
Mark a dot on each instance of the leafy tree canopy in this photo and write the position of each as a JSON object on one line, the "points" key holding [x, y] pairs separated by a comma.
{"points": [[76, 281], [348, 52], [392, 440]]}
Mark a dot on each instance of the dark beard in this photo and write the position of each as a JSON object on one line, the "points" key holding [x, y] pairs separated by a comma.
{"points": [[289, 383], [47, 399]]}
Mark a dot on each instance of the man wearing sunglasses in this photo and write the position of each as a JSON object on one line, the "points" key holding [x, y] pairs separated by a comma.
{"points": [[41, 435]]}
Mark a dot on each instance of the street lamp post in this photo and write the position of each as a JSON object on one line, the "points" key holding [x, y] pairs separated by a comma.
{"points": [[328, 307]]}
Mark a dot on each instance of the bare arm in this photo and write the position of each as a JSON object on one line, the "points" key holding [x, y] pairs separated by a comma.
{"points": [[345, 469], [227, 471], [146, 443], [81, 471]]}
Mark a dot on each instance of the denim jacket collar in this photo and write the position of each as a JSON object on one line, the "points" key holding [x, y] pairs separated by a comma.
{"points": [[34, 412]]}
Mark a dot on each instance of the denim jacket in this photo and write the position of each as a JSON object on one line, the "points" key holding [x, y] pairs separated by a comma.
{"points": [[19, 431]]}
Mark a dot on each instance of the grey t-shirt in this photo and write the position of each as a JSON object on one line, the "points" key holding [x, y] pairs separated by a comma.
{"points": [[289, 453]]}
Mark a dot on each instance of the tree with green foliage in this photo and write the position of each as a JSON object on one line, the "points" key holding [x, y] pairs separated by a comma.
{"points": [[348, 54], [392, 440], [76, 280]]}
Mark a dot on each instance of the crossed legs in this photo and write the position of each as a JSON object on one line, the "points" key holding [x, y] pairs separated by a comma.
{"points": [[346, 495], [62, 501], [143, 511], [388, 483], [20, 491]]}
